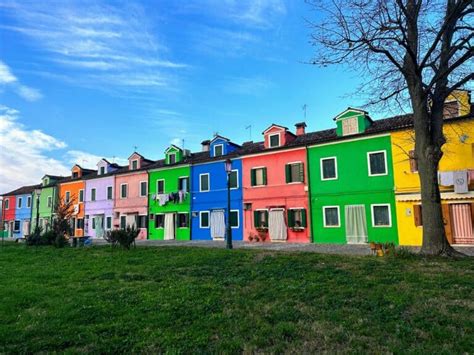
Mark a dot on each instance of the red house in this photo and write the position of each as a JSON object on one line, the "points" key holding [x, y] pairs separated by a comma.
{"points": [[275, 186]]}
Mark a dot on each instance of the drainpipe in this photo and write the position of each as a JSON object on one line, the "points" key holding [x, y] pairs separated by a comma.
{"points": [[310, 209]]}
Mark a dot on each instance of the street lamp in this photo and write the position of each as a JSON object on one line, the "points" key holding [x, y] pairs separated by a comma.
{"points": [[37, 193], [228, 170]]}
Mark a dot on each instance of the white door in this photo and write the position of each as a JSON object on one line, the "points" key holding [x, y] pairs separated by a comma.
{"points": [[26, 228], [131, 220], [277, 226], [217, 224], [356, 224], [169, 226]]}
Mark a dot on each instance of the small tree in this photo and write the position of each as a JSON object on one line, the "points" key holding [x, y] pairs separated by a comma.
{"points": [[124, 237]]}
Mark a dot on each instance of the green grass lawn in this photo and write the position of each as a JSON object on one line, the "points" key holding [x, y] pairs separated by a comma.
{"points": [[211, 300]]}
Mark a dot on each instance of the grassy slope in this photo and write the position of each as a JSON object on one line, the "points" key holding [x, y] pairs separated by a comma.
{"points": [[183, 299]]}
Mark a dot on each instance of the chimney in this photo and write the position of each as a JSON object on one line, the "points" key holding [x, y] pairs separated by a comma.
{"points": [[205, 145], [300, 128]]}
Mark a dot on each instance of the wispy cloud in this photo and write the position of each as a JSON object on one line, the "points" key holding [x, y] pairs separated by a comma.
{"points": [[8, 79], [89, 160], [253, 86]]}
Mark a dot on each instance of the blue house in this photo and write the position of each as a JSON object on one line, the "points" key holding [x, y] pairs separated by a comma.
{"points": [[23, 213], [209, 191]]}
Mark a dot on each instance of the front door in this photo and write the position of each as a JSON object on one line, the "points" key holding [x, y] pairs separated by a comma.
{"points": [[356, 224], [462, 223], [72, 223], [217, 224], [277, 229], [169, 226]]}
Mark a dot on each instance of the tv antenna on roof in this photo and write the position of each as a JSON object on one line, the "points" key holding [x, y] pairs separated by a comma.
{"points": [[249, 127], [113, 159], [135, 148], [305, 107]]}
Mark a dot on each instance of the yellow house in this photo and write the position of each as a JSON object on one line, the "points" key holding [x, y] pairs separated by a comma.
{"points": [[457, 162]]}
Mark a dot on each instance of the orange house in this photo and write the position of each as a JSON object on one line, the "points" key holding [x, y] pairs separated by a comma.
{"points": [[71, 190]]}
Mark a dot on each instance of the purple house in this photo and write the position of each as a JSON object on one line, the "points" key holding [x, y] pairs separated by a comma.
{"points": [[99, 199]]}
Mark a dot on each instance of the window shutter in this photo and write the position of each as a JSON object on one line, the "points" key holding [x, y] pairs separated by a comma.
{"points": [[266, 219], [301, 168], [288, 173], [303, 218], [291, 218], [255, 219], [253, 177], [413, 162], [417, 215], [264, 176]]}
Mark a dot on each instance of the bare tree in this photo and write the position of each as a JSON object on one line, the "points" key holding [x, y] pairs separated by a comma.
{"points": [[412, 51]]}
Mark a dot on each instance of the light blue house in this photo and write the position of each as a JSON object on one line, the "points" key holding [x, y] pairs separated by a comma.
{"points": [[209, 191], [23, 211]]}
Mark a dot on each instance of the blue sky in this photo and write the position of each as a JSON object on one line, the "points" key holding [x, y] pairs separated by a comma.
{"points": [[91, 79]]}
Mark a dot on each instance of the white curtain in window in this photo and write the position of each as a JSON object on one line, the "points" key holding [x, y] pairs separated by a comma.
{"points": [[26, 228], [217, 224], [277, 226], [462, 223], [169, 226], [99, 230], [131, 220], [356, 224]]}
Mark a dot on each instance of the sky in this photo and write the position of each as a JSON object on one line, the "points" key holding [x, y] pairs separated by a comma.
{"points": [[80, 81]]}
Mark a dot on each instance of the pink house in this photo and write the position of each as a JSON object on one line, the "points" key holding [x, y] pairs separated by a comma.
{"points": [[131, 195]]}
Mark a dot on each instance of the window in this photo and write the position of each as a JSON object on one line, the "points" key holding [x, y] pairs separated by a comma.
{"points": [[93, 223], [109, 193], [134, 164], [143, 188], [218, 150], [297, 218], [183, 220], [20, 202], [7, 204], [142, 221], [413, 161], [50, 201], [93, 193], [81, 196], [28, 201], [102, 170], [16, 226], [234, 218], [159, 220], [377, 163], [160, 186], [234, 179], [203, 182], [75, 175], [381, 216], [183, 183], [350, 126], [123, 190], [274, 140], [258, 176], [294, 172], [68, 196], [260, 218], [123, 222], [108, 222], [329, 168], [80, 223], [331, 216], [172, 158], [203, 219], [417, 214]]}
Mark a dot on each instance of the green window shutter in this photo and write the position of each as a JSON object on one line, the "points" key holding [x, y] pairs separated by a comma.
{"points": [[291, 218], [253, 177], [255, 219], [266, 219], [301, 172], [264, 176], [303, 217], [288, 173]]}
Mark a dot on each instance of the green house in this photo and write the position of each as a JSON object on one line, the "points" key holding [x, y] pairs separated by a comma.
{"points": [[169, 196], [351, 182], [47, 199]]}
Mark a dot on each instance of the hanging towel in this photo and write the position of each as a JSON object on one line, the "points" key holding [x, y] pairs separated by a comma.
{"points": [[277, 226], [446, 178], [163, 199], [460, 182], [217, 224], [169, 226], [356, 224]]}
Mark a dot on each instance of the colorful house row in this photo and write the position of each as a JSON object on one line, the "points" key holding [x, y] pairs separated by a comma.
{"points": [[354, 183]]}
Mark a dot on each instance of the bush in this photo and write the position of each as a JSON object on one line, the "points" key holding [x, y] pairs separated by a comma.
{"points": [[50, 237], [34, 239], [124, 237]]}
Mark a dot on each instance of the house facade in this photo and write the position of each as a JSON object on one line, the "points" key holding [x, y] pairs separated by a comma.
{"points": [[169, 196], [275, 187], [456, 177], [351, 182], [8, 214], [48, 198], [99, 200], [71, 191], [23, 211], [131, 195], [209, 207]]}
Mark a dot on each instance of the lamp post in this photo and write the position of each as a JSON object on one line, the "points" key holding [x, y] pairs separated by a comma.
{"points": [[228, 170], [37, 193]]}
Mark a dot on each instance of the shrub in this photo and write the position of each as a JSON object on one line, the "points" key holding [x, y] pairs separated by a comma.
{"points": [[34, 239], [124, 237]]}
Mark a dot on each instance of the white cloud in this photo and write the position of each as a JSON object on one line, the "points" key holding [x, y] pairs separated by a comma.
{"points": [[88, 160], [24, 153], [8, 79], [6, 76], [28, 93], [247, 85]]}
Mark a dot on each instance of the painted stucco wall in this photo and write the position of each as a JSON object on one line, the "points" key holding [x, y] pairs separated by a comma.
{"points": [[9, 214], [277, 192], [216, 197], [45, 210], [134, 203], [23, 215], [170, 176], [353, 186], [101, 205], [74, 187]]}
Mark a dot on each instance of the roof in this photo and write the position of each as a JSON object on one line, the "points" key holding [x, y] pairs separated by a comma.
{"points": [[24, 190], [351, 109], [274, 125], [57, 177]]}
